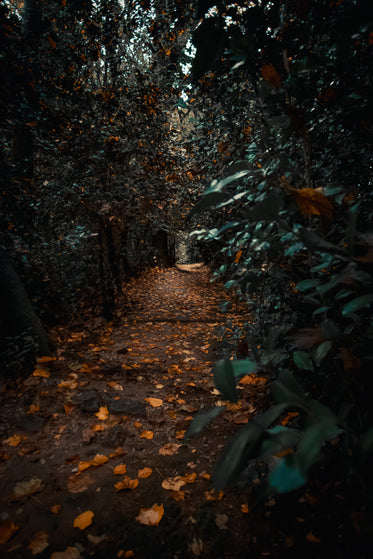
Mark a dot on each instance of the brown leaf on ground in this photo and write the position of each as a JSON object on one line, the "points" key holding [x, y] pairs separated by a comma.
{"points": [[147, 435], [126, 483], [7, 530], [173, 483], [39, 542], [144, 473], [15, 440], [169, 449], [151, 516], [154, 402], [79, 484], [84, 520], [68, 408], [103, 413], [41, 373], [69, 553], [214, 495], [120, 469], [56, 508], [27, 488]]}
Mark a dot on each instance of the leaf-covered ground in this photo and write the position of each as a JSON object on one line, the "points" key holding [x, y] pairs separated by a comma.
{"points": [[94, 462]]}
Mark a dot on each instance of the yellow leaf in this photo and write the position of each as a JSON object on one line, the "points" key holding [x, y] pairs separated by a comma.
{"points": [[41, 373], [312, 202], [120, 469], [155, 402], [126, 483], [84, 520], [7, 529], [152, 516], [173, 484], [144, 473], [147, 435], [103, 413], [169, 449], [39, 542]]}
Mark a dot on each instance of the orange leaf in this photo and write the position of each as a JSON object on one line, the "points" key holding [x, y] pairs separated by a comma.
{"points": [[126, 483], [7, 529], [155, 402], [46, 359], [103, 413], [214, 495], [312, 202], [238, 257], [120, 469], [152, 516], [15, 440], [70, 384], [289, 416], [169, 449], [56, 508], [147, 435], [98, 427], [180, 434], [190, 478], [144, 473], [41, 373], [312, 538], [271, 75], [245, 508], [128, 553], [99, 459], [68, 408], [178, 495], [83, 466], [84, 520]]}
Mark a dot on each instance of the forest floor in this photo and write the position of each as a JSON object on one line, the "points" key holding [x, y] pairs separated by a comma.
{"points": [[94, 460]]}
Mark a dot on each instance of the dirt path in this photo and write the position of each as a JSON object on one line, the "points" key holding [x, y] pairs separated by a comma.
{"points": [[100, 430]]}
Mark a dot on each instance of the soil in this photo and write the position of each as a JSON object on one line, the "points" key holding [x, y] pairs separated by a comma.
{"points": [[124, 394]]}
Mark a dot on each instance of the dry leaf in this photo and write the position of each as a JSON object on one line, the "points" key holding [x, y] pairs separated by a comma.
{"points": [[245, 508], [126, 483], [129, 553], [33, 408], [180, 434], [147, 435], [137, 424], [70, 384], [120, 469], [46, 359], [312, 202], [39, 542], [68, 408], [152, 516], [79, 484], [312, 538], [173, 483], [103, 413], [41, 373], [98, 427], [7, 529], [144, 473], [69, 553], [238, 257], [214, 495], [15, 440], [289, 416], [56, 508], [118, 452], [190, 478], [84, 520], [169, 449], [178, 495], [221, 521], [155, 402], [271, 75], [27, 488]]}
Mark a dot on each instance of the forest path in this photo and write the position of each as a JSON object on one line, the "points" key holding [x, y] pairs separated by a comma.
{"points": [[100, 430]]}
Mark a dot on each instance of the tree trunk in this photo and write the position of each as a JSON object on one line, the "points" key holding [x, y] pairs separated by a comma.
{"points": [[21, 332]]}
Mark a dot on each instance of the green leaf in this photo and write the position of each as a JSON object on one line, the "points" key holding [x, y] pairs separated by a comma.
{"points": [[286, 477], [208, 200], [279, 438], [303, 360], [268, 209], [225, 380], [286, 390], [243, 367], [307, 284], [322, 350], [202, 419], [358, 303], [311, 240]]}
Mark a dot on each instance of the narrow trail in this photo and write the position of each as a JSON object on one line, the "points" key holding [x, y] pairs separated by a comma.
{"points": [[100, 430]]}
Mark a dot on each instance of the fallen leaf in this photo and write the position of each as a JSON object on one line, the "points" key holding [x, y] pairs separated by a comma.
{"points": [[190, 478], [118, 452], [147, 435], [98, 427], [15, 440], [312, 202], [144, 473], [84, 520], [69, 553], [33, 408], [196, 546], [39, 542], [271, 75], [137, 424], [129, 553], [56, 508], [221, 521], [79, 484], [312, 538], [41, 373], [173, 483], [103, 413], [245, 508], [120, 469], [214, 495], [70, 384], [169, 449], [27, 488], [7, 529], [155, 402], [152, 516], [180, 434], [126, 483], [68, 408], [45, 359]]}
